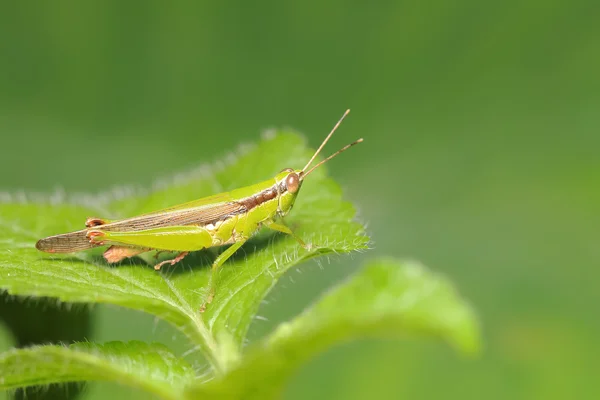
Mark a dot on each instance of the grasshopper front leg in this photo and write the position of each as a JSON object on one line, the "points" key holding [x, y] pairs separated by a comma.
{"points": [[284, 229]]}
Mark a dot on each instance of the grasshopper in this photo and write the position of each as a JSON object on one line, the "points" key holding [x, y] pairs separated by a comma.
{"points": [[229, 218]]}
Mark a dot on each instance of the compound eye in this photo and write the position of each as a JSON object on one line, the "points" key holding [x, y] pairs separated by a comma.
{"points": [[292, 182]]}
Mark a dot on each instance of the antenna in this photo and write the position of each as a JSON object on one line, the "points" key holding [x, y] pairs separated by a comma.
{"points": [[346, 147], [325, 141]]}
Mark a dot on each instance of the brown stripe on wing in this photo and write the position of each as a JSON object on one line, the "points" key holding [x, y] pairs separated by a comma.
{"points": [[192, 216], [65, 243], [202, 215]]}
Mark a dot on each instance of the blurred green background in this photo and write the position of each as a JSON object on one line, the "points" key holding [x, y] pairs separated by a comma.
{"points": [[481, 123]]}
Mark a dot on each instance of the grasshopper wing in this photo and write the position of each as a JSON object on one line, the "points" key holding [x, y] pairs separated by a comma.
{"points": [[199, 213]]}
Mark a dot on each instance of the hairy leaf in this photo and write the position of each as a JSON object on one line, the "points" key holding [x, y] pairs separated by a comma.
{"points": [[150, 367], [388, 299], [175, 294]]}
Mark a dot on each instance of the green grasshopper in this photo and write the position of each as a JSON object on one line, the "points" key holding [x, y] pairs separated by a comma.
{"points": [[229, 218]]}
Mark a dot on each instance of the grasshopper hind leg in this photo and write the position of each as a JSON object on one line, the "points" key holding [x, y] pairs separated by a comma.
{"points": [[170, 238], [173, 261], [114, 254]]}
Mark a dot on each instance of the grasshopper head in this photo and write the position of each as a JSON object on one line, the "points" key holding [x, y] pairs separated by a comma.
{"points": [[289, 182]]}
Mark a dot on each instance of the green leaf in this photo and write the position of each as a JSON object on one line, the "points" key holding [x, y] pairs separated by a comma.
{"points": [[150, 367], [320, 217], [388, 298]]}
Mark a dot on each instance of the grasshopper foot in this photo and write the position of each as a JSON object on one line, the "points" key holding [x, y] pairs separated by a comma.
{"points": [[305, 246], [174, 261], [209, 299]]}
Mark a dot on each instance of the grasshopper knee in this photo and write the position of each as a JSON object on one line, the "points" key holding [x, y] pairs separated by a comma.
{"points": [[93, 221], [95, 237]]}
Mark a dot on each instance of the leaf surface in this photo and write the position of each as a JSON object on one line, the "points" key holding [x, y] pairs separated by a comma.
{"points": [[149, 367], [387, 299]]}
